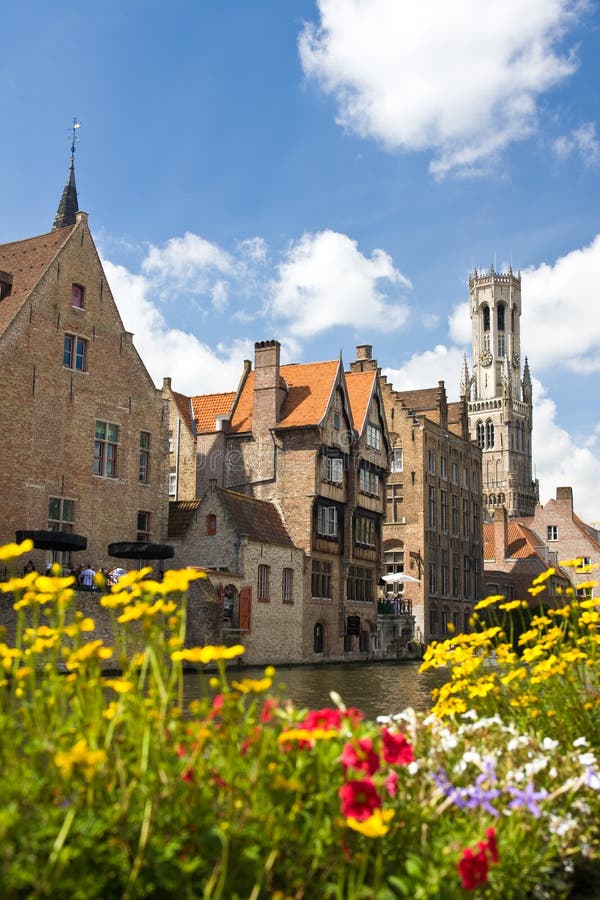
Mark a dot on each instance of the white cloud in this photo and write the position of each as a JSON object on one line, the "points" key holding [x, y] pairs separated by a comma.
{"points": [[326, 282], [424, 370], [561, 462], [461, 79], [193, 367], [185, 263], [583, 141]]}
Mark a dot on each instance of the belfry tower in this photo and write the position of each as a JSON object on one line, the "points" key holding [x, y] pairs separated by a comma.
{"points": [[499, 399]]}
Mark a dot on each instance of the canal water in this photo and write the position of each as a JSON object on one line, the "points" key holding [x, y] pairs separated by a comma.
{"points": [[375, 688]]}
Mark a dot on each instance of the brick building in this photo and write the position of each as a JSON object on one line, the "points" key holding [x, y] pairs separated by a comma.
{"points": [[568, 537], [312, 440], [250, 559], [432, 529], [514, 555], [83, 430]]}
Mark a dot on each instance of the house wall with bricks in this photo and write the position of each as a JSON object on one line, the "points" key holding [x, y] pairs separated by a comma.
{"points": [[52, 402]]}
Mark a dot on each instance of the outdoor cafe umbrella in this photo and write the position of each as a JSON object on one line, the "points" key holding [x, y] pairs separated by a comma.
{"points": [[396, 577], [140, 550], [53, 540]]}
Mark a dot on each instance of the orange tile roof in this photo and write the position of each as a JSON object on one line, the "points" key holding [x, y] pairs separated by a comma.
{"points": [[522, 543], [185, 409], [310, 386], [360, 390], [206, 408], [27, 261]]}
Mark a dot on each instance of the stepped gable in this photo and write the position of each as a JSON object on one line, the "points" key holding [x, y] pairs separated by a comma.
{"points": [[309, 387], [181, 514], [206, 408], [455, 412], [360, 391], [27, 261], [422, 400], [258, 519]]}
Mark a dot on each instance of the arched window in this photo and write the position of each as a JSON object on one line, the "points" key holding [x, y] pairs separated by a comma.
{"points": [[486, 318], [480, 435], [492, 499], [318, 638], [501, 311], [489, 435], [501, 498]]}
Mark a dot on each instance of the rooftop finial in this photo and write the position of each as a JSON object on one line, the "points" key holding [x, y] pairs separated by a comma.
{"points": [[69, 205]]}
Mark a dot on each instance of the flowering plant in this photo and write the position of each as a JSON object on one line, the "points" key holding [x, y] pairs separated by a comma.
{"points": [[112, 788]]}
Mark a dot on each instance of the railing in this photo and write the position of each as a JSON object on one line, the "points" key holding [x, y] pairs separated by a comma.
{"points": [[395, 607]]}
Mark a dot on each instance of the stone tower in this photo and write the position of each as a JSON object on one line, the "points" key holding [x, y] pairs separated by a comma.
{"points": [[499, 398]]}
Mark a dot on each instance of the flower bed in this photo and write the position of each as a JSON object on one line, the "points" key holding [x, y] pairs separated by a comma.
{"points": [[112, 789]]}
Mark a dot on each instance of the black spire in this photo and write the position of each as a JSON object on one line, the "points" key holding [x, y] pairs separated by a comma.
{"points": [[68, 206]]}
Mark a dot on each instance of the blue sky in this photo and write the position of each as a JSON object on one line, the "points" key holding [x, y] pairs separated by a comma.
{"points": [[327, 173]]}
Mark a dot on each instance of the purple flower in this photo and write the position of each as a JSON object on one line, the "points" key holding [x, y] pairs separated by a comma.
{"points": [[527, 799], [480, 796]]}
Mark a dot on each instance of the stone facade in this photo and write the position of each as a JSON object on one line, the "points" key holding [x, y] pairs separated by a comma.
{"points": [[500, 406], [567, 537], [432, 530], [83, 430], [311, 440]]}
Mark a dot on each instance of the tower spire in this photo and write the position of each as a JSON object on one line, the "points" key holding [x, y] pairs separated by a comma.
{"points": [[69, 206]]}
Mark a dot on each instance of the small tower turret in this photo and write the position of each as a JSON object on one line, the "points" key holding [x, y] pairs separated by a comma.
{"points": [[68, 206]]}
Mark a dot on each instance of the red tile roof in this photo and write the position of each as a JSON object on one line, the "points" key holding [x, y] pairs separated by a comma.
{"points": [[181, 514], [185, 409], [360, 390], [27, 261], [522, 543], [309, 390], [206, 408], [258, 519]]}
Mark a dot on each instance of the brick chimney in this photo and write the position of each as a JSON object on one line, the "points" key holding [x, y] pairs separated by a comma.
{"points": [[564, 496], [268, 389], [500, 533], [364, 359]]}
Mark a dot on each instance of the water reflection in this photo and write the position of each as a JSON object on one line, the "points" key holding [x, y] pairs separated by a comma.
{"points": [[375, 688]]}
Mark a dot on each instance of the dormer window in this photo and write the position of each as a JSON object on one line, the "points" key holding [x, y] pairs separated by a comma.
{"points": [[77, 295]]}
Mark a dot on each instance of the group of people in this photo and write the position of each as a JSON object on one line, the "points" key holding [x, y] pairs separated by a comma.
{"points": [[85, 575]]}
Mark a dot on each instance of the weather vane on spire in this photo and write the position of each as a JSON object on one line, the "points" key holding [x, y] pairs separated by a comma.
{"points": [[73, 135]]}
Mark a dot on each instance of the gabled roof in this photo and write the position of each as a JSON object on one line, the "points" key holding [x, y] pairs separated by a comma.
{"points": [[309, 390], [258, 519], [522, 543], [181, 514], [184, 406], [589, 531], [27, 261], [206, 408], [360, 391]]}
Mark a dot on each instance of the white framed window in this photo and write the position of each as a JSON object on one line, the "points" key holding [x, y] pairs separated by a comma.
{"points": [[321, 579], [454, 473], [61, 517], [431, 462], [552, 532], [327, 521], [106, 441], [144, 473], [75, 352], [584, 563], [443, 467], [373, 436], [364, 531], [172, 482], [397, 459], [368, 481], [334, 469]]}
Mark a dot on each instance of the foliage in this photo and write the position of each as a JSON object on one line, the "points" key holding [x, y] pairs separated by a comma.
{"points": [[112, 789]]}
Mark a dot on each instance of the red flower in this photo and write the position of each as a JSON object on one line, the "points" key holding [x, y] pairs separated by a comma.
{"points": [[474, 864], [396, 749], [473, 868], [188, 775], [360, 755], [267, 711], [359, 799], [353, 715], [322, 718]]}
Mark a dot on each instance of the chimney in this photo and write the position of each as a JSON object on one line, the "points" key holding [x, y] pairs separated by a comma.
{"points": [[500, 533], [364, 359], [268, 390], [565, 495]]}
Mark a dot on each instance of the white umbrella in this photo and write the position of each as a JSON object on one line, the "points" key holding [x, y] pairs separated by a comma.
{"points": [[396, 577]]}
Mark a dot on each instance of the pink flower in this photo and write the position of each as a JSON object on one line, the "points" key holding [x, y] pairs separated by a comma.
{"points": [[396, 749], [359, 799], [360, 755], [322, 718], [391, 784]]}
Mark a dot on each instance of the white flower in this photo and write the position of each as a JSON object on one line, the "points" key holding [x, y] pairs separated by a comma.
{"points": [[413, 767], [581, 742], [562, 825], [549, 744], [586, 759]]}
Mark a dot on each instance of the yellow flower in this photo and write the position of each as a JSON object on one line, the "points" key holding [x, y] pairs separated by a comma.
{"points": [[307, 734], [520, 673], [91, 650], [207, 654], [564, 612], [81, 758], [13, 551], [544, 576], [534, 591], [120, 685], [481, 688], [488, 601], [512, 604], [375, 826], [591, 603], [178, 580], [249, 685]]}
